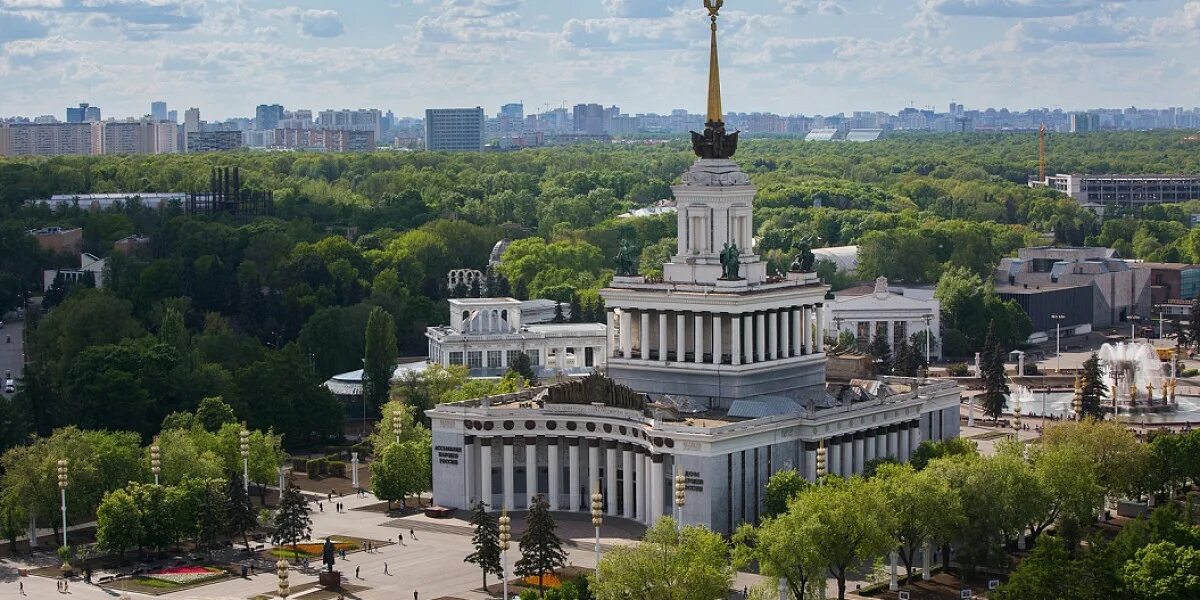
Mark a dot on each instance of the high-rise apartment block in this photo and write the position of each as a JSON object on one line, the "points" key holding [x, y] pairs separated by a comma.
{"points": [[589, 119], [455, 129], [267, 116], [50, 139], [213, 141], [363, 119]]}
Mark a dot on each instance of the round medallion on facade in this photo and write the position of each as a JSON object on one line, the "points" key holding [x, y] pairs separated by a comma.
{"points": [[621, 429], [571, 425], [591, 426], [607, 428], [508, 425], [530, 424], [551, 425], [488, 425]]}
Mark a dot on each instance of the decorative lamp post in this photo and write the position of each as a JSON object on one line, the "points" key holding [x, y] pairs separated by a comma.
{"points": [[505, 530], [928, 337], [1058, 318], [155, 461], [354, 469], [597, 519], [821, 469], [397, 422], [1077, 401], [680, 484], [244, 446], [1133, 321], [1016, 423], [282, 569], [62, 489]]}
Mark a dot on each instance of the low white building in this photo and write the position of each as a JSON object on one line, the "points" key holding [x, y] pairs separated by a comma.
{"points": [[896, 314], [487, 334], [88, 263]]}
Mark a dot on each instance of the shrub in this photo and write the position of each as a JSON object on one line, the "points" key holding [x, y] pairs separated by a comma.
{"points": [[300, 464], [337, 468], [313, 468], [1190, 372], [959, 369]]}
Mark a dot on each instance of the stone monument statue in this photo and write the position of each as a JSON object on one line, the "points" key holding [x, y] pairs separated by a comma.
{"points": [[327, 555], [730, 263], [625, 260]]}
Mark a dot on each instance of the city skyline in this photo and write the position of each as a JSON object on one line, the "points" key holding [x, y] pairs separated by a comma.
{"points": [[798, 56]]}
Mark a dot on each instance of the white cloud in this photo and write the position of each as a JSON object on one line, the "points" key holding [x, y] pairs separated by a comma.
{"points": [[14, 26], [311, 22], [802, 7], [136, 19], [639, 9], [1013, 8]]}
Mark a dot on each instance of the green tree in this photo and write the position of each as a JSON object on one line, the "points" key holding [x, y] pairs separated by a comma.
{"points": [[929, 450], [210, 513], [995, 384], [848, 523], [784, 485], [240, 517], [1121, 461], [1094, 390], [380, 361], [486, 541], [1163, 571], [782, 552], [403, 469], [881, 351], [541, 550], [669, 564], [214, 413], [292, 523], [523, 366], [1069, 479], [923, 507], [118, 523], [1047, 574]]}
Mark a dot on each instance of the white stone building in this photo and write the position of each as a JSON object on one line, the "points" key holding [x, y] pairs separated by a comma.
{"points": [[895, 314], [486, 334]]}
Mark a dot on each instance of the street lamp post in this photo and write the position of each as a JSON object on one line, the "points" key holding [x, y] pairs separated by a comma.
{"points": [[1058, 317], [397, 422], [155, 461], [680, 485], [821, 467], [62, 489], [1016, 424], [1133, 321], [928, 336], [282, 570], [354, 467], [597, 519], [505, 529], [244, 447]]}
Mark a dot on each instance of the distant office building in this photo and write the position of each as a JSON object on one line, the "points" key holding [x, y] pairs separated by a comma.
{"points": [[191, 120], [454, 129], [173, 116], [369, 119], [158, 110], [50, 139], [1123, 190], [512, 118], [85, 113], [267, 116], [589, 119], [213, 141], [1082, 122], [332, 140]]}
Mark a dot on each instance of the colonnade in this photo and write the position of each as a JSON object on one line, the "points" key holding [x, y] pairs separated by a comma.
{"points": [[630, 477], [849, 453], [717, 337]]}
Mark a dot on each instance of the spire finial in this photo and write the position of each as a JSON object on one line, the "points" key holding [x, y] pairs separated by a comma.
{"points": [[715, 114], [714, 142]]}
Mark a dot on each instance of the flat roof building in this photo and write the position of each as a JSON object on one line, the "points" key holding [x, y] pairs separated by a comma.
{"points": [[213, 141], [454, 129], [1123, 190]]}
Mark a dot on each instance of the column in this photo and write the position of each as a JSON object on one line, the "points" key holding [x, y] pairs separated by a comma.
{"points": [[847, 455], [507, 474], [531, 470], [656, 487], [772, 335], [785, 341], [469, 461], [680, 338], [748, 338], [485, 472], [717, 343], [639, 493], [914, 436], [627, 482], [902, 442], [573, 473], [810, 461], [698, 339], [869, 446], [593, 466], [806, 329], [859, 460], [554, 471], [735, 344], [797, 333], [819, 338], [626, 325], [833, 456], [892, 449], [662, 336], [610, 476], [645, 335], [760, 337]]}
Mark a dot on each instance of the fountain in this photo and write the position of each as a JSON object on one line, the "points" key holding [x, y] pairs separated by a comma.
{"points": [[1133, 372]]}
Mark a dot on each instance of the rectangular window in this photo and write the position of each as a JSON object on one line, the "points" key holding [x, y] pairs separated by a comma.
{"points": [[475, 359], [512, 356], [493, 358], [456, 358], [535, 356]]}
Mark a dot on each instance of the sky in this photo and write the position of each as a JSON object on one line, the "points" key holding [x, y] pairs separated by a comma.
{"points": [[783, 56]]}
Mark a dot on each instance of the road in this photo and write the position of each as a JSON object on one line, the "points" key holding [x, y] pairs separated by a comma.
{"points": [[11, 353]]}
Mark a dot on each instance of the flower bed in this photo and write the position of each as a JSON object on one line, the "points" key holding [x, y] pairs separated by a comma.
{"points": [[180, 576], [313, 549], [549, 581]]}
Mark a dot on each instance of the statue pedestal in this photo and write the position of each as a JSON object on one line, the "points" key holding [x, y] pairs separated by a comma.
{"points": [[331, 580]]}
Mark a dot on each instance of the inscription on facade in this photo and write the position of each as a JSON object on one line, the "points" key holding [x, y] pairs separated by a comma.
{"points": [[692, 481], [448, 455]]}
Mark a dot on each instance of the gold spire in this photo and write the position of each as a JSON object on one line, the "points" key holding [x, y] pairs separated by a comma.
{"points": [[714, 73]]}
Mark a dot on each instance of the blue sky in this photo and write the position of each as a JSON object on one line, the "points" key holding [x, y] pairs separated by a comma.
{"points": [[784, 56]]}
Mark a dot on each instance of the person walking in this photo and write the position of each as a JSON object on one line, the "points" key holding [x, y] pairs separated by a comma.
{"points": [[385, 569], [21, 587], [356, 572], [411, 533]]}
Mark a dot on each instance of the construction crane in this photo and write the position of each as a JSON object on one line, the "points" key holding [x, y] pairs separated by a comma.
{"points": [[1042, 153]]}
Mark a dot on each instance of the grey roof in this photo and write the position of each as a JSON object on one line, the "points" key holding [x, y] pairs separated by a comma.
{"points": [[864, 135]]}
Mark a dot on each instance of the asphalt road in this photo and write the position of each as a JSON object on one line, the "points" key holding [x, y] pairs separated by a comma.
{"points": [[11, 353]]}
